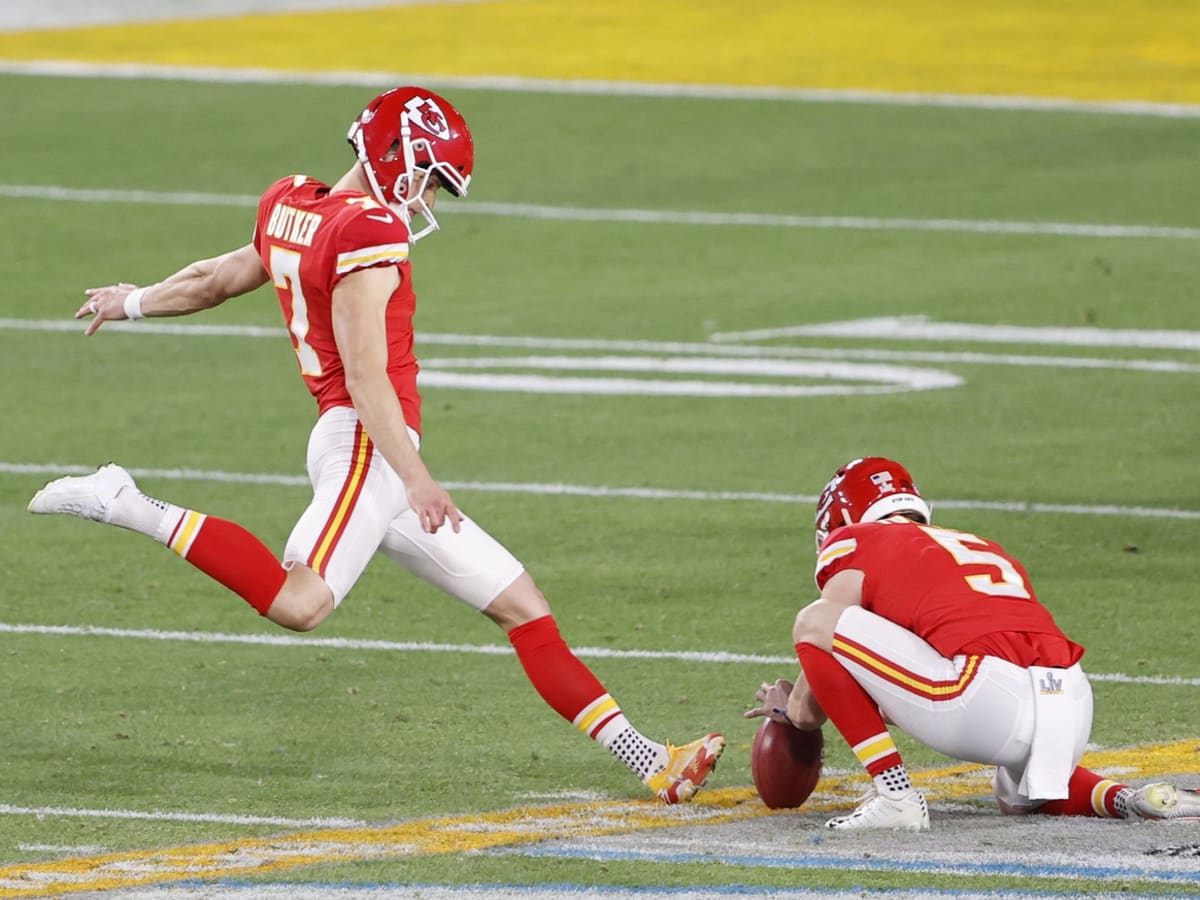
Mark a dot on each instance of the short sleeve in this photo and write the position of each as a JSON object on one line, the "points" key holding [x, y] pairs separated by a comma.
{"points": [[836, 554], [373, 237]]}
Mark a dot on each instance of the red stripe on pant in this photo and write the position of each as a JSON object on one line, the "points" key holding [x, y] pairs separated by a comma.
{"points": [[343, 509], [914, 683]]}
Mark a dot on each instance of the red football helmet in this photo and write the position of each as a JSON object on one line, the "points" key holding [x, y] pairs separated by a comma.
{"points": [[401, 137], [867, 490]]}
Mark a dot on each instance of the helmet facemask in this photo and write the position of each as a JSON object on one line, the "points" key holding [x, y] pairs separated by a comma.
{"points": [[421, 171], [399, 172]]}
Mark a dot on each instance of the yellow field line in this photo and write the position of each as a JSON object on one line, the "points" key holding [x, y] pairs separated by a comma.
{"points": [[459, 834], [1115, 50]]}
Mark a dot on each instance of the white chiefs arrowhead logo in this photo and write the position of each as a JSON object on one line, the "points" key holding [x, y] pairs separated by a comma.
{"points": [[429, 116]]}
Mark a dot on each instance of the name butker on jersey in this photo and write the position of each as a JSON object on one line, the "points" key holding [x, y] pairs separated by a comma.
{"points": [[959, 592], [309, 238]]}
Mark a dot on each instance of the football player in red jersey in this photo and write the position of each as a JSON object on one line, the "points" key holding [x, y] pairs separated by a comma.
{"points": [[940, 633], [338, 257]]}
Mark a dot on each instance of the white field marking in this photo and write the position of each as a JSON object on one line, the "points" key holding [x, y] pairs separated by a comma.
{"points": [[667, 347], [436, 372], [637, 493], [29, 15], [642, 216], [919, 328], [580, 796], [165, 198], [607, 88], [287, 640], [159, 816], [80, 850], [746, 351], [891, 379]]}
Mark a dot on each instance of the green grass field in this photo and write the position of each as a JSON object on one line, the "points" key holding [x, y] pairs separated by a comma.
{"points": [[1078, 457]]}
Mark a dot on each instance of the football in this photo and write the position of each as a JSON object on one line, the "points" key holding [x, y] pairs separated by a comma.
{"points": [[785, 763]]}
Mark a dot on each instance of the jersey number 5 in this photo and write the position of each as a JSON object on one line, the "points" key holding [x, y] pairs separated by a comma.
{"points": [[1010, 583], [285, 272]]}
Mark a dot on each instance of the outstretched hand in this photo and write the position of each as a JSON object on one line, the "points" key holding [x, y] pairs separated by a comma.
{"points": [[104, 303], [773, 700], [432, 504]]}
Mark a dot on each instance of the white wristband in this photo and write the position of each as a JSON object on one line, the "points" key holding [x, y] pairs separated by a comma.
{"points": [[133, 303]]}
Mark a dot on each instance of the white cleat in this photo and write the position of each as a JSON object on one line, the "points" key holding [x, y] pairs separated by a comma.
{"points": [[907, 813], [86, 496], [1165, 801]]}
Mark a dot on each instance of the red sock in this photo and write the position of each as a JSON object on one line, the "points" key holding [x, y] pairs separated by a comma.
{"points": [[565, 683], [228, 553], [1089, 795], [850, 708]]}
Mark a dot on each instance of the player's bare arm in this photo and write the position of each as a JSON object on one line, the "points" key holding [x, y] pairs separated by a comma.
{"points": [[202, 284], [802, 707], [816, 623], [360, 329]]}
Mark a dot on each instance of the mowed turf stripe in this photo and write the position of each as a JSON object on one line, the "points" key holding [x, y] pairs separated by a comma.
{"points": [[1121, 50], [569, 823]]}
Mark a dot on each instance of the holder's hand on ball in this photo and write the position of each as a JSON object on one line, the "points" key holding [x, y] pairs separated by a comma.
{"points": [[773, 700]]}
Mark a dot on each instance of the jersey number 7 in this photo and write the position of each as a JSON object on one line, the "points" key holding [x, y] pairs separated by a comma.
{"points": [[285, 272]]}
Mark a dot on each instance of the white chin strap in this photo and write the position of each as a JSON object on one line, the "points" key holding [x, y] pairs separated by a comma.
{"points": [[408, 210], [405, 209], [418, 207], [361, 150]]}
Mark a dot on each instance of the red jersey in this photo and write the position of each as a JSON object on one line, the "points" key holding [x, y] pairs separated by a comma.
{"points": [[959, 592], [309, 238]]}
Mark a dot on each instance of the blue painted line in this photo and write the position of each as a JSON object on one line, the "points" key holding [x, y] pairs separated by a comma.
{"points": [[1024, 869]]}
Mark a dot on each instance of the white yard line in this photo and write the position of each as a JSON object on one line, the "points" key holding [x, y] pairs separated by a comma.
{"points": [[964, 334], [159, 816], [288, 640], [922, 328], [601, 87], [64, 193], [604, 492]]}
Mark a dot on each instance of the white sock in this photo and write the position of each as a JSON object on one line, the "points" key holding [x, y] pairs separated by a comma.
{"points": [[893, 782], [1121, 801], [155, 518], [644, 756]]}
